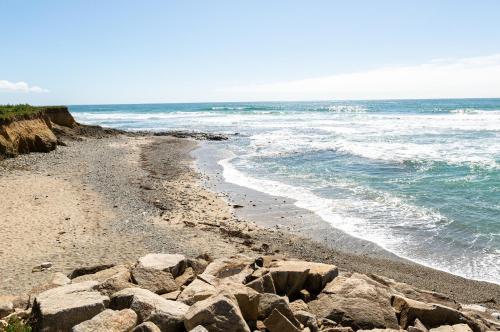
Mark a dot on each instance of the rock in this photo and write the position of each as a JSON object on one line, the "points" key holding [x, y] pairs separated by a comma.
{"points": [[452, 328], [186, 278], [118, 272], [59, 279], [247, 298], [345, 329], [199, 328], [113, 285], [269, 302], [167, 315], [417, 327], [6, 307], [109, 321], [263, 284], [146, 327], [235, 269], [276, 322], [357, 301], [198, 265], [196, 291], [408, 291], [171, 296], [495, 315], [157, 281], [292, 276], [63, 307], [88, 270], [218, 313], [298, 305], [46, 265], [305, 295], [307, 319], [173, 263], [431, 315]]}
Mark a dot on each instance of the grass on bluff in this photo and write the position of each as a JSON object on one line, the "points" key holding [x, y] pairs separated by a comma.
{"points": [[12, 111]]}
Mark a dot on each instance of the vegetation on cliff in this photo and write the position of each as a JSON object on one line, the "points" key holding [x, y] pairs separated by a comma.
{"points": [[12, 111]]}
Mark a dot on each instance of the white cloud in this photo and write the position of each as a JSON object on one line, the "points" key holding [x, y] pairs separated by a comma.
{"points": [[20, 87], [439, 78]]}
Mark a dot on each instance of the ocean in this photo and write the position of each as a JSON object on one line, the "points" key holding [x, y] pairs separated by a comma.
{"points": [[420, 178]]}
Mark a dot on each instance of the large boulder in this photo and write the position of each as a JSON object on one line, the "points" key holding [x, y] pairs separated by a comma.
{"points": [[276, 322], [118, 272], [358, 301], [269, 302], [166, 314], [431, 315], [235, 269], [264, 284], [218, 313], [81, 271], [61, 308], [247, 298], [173, 263], [109, 321], [157, 281], [292, 276], [196, 291]]}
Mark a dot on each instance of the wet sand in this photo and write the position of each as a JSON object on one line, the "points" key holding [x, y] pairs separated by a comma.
{"points": [[126, 196]]}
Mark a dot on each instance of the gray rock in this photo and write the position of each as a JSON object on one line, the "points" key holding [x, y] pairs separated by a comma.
{"points": [[276, 322], [157, 281], [146, 327], [431, 315], [61, 308], [357, 301], [173, 263], [218, 313], [109, 321], [292, 276], [166, 314]]}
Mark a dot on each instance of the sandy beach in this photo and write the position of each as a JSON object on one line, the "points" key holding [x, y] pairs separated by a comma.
{"points": [[86, 202]]}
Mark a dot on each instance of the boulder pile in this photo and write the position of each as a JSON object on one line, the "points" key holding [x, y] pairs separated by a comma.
{"points": [[169, 292]]}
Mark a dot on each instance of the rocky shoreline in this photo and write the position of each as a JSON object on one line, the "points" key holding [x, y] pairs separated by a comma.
{"points": [[170, 292], [108, 201]]}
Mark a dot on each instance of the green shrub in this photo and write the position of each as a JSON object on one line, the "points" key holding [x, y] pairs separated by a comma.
{"points": [[16, 325], [10, 111]]}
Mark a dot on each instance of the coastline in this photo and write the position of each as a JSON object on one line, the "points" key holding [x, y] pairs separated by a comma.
{"points": [[146, 191]]}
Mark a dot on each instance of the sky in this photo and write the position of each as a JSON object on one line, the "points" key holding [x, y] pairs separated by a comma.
{"points": [[105, 52]]}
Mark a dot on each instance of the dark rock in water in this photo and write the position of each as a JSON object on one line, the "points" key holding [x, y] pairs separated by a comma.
{"points": [[195, 135]]}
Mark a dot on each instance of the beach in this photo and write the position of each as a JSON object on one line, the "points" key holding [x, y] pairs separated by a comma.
{"points": [[111, 200]]}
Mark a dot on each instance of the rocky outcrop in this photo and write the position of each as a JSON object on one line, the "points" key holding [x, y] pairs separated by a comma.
{"points": [[239, 294], [25, 136]]}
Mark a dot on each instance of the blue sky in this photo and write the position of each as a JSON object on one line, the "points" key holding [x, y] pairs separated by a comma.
{"points": [[85, 52]]}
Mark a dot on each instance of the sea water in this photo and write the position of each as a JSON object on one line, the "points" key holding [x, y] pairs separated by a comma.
{"points": [[420, 178]]}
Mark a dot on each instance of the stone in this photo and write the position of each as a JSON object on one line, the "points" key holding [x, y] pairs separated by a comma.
{"points": [[431, 315], [248, 299], [172, 295], [235, 269], [118, 272], [146, 327], [6, 307], [298, 305], [307, 319], [199, 328], [276, 322], [167, 315], [218, 313], [305, 295], [186, 278], [173, 263], [408, 291], [112, 285], [269, 302], [345, 329], [157, 281], [452, 328], [417, 327], [63, 307], [198, 265], [293, 276], [196, 291], [263, 284], [88, 270], [357, 301], [265, 261], [109, 321], [59, 279]]}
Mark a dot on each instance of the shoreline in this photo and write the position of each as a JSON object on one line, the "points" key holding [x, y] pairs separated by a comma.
{"points": [[148, 192], [281, 212]]}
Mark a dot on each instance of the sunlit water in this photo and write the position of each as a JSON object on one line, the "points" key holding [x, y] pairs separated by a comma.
{"points": [[419, 178]]}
